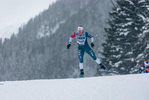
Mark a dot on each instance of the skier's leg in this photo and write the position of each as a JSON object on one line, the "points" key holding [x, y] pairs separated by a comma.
{"points": [[81, 69], [92, 54], [80, 55], [100, 64], [98, 61], [81, 65]]}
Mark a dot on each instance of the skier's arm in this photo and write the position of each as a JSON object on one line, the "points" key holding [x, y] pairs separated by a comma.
{"points": [[70, 40], [92, 39], [71, 37], [90, 36]]}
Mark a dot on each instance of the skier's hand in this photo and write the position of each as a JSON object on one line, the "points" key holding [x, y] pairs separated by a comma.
{"points": [[92, 45], [68, 46]]}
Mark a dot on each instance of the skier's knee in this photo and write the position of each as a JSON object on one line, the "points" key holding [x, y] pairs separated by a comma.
{"points": [[81, 60]]}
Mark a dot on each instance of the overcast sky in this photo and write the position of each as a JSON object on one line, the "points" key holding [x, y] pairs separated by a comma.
{"points": [[20, 11]]}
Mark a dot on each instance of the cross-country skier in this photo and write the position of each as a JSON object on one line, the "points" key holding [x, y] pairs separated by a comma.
{"points": [[141, 69], [145, 68], [146, 63], [81, 38]]}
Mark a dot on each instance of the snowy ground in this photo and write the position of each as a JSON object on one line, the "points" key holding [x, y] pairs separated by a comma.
{"points": [[127, 87]]}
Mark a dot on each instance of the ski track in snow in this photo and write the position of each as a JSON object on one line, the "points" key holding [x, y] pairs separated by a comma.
{"points": [[120, 87]]}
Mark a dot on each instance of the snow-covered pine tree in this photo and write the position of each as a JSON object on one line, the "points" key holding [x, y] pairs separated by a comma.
{"points": [[123, 36], [144, 37]]}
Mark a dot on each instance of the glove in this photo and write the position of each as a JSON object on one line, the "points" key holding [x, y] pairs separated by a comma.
{"points": [[92, 45], [68, 46]]}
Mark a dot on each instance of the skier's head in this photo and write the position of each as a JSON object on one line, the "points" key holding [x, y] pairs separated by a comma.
{"points": [[142, 67], [146, 63], [80, 29]]}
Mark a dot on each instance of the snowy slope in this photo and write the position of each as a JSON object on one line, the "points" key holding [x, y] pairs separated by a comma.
{"points": [[128, 87], [14, 14], [9, 30]]}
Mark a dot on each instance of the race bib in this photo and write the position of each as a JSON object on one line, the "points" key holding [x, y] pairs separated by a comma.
{"points": [[81, 42]]}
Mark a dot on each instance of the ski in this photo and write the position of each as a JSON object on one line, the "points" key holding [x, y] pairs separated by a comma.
{"points": [[108, 72]]}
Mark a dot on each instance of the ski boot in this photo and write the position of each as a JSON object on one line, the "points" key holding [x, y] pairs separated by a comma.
{"points": [[81, 73], [103, 67]]}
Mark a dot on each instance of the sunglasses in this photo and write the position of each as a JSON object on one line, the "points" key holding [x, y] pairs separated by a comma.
{"points": [[80, 31]]}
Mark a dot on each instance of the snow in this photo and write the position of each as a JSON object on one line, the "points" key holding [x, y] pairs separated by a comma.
{"points": [[144, 19], [147, 46], [140, 55], [41, 32], [117, 64], [124, 87], [141, 1], [132, 59], [129, 53], [130, 2], [124, 33], [57, 26], [146, 31], [117, 56], [129, 23], [122, 68], [8, 31]]}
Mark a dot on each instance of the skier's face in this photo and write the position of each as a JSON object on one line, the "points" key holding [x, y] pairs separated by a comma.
{"points": [[80, 32]]}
